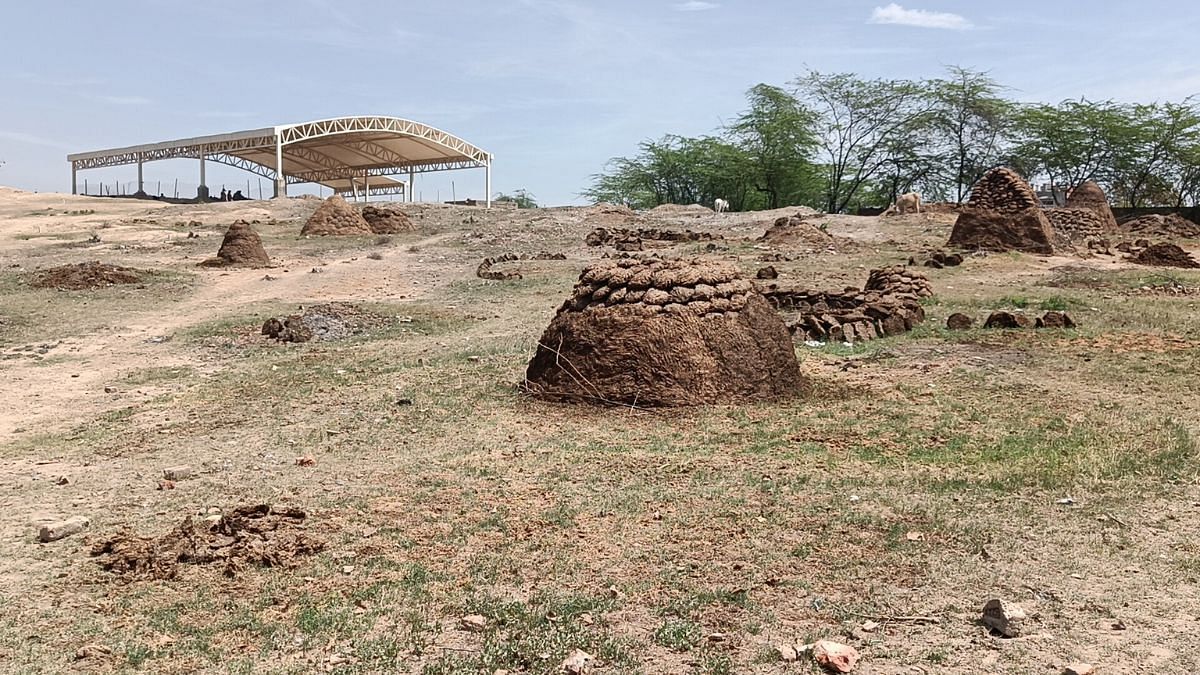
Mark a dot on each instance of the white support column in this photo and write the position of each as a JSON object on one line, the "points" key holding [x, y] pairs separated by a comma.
{"points": [[141, 190], [366, 187], [353, 188], [488, 181], [74, 180], [280, 179], [412, 196], [202, 191]]}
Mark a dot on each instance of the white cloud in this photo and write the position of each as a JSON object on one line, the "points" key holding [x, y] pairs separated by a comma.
{"points": [[123, 100], [695, 6], [30, 139], [921, 18]]}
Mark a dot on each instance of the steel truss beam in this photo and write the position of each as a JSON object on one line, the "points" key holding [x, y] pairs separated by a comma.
{"points": [[352, 172]]}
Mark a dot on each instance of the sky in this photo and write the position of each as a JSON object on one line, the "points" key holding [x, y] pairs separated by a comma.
{"points": [[552, 88]]}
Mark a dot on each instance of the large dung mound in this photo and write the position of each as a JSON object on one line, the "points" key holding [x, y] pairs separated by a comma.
{"points": [[1164, 255], [241, 247], [387, 221], [1077, 224], [1171, 225], [1090, 197], [681, 210], [664, 333], [81, 276], [611, 216], [792, 230], [335, 217], [1003, 214], [249, 535]]}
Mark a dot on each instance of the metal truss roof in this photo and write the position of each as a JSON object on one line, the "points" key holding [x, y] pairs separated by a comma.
{"points": [[328, 152]]}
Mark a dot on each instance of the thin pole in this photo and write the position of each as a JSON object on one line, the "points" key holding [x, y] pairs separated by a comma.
{"points": [[280, 179], [487, 172], [74, 182]]}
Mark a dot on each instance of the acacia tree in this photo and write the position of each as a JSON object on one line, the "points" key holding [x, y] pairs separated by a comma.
{"points": [[1158, 143], [971, 124], [677, 170], [1071, 142], [864, 126], [776, 135], [523, 198]]}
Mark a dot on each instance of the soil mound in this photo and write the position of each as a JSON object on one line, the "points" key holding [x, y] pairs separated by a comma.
{"points": [[680, 210], [1003, 214], [85, 275], [605, 215], [1169, 226], [332, 321], [1164, 255], [664, 333], [386, 221], [250, 535], [241, 247], [793, 230], [1089, 197], [624, 239], [335, 217], [1077, 224]]}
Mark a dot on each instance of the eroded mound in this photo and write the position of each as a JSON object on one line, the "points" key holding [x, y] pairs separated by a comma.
{"points": [[1169, 226], [793, 230], [387, 221], [335, 217], [85, 275], [332, 321], [241, 247], [1089, 197], [249, 535], [681, 210], [1164, 254], [664, 333]]}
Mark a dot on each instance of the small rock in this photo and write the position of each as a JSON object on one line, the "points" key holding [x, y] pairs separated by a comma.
{"points": [[768, 272], [306, 460], [1008, 320], [959, 321], [92, 651], [62, 529], [576, 662], [1003, 617], [474, 623], [1079, 669], [166, 484], [178, 472], [62, 480], [110, 390], [870, 626], [787, 653], [835, 657]]}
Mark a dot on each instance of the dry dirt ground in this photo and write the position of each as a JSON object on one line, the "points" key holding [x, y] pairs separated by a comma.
{"points": [[927, 473]]}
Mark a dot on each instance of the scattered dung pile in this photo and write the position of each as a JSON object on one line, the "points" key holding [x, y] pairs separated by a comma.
{"points": [[386, 221], [1077, 224], [241, 247], [624, 239], [1171, 226], [939, 259], [795, 230], [1017, 320], [485, 271], [249, 535], [332, 321], [85, 275], [889, 306], [1089, 197], [1163, 254], [664, 333], [335, 217], [1003, 214]]}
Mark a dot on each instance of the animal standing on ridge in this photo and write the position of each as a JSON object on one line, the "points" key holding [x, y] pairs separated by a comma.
{"points": [[909, 202], [720, 205]]}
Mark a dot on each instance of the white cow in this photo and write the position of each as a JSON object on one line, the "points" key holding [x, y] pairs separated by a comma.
{"points": [[720, 205], [909, 202]]}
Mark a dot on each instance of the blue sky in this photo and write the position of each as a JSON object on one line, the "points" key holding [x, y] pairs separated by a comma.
{"points": [[554, 88]]}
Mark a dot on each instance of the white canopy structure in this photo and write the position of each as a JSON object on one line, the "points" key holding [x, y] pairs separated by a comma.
{"points": [[346, 154]]}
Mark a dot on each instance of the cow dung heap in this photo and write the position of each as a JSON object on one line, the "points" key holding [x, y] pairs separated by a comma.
{"points": [[85, 275], [1089, 197], [1003, 214], [330, 321], [791, 230], [1171, 225], [241, 247], [625, 239], [1076, 224], [386, 221], [664, 333], [485, 271], [1163, 254], [335, 217], [888, 305]]}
